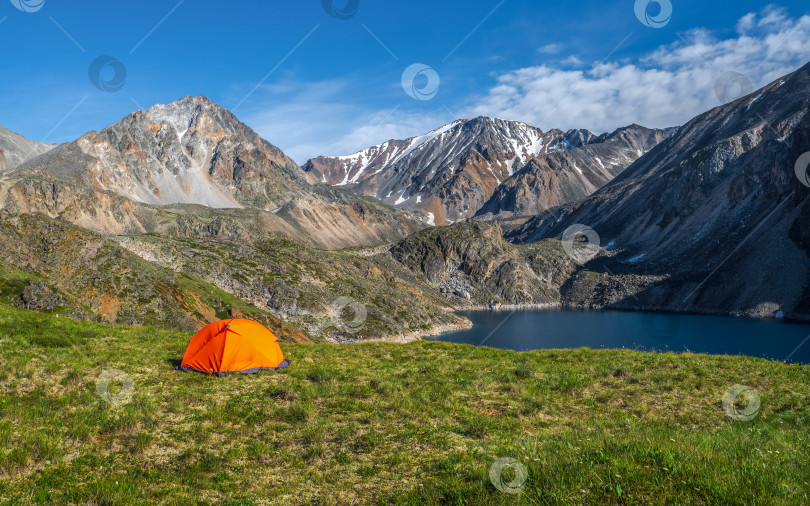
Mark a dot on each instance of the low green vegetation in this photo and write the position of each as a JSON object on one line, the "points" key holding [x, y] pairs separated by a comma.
{"points": [[381, 423], [185, 282]]}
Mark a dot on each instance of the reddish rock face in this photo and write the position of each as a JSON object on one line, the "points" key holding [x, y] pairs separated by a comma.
{"points": [[563, 177]]}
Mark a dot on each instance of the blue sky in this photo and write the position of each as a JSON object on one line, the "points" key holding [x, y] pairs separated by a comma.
{"points": [[314, 84]]}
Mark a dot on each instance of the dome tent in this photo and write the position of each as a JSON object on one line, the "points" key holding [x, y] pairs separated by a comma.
{"points": [[233, 346]]}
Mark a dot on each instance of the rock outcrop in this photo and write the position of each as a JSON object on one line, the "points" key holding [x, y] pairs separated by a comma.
{"points": [[472, 264]]}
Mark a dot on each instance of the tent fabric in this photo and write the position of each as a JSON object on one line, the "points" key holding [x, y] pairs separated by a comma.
{"points": [[235, 345]]}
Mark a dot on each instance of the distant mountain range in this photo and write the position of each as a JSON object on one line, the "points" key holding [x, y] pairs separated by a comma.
{"points": [[480, 166]]}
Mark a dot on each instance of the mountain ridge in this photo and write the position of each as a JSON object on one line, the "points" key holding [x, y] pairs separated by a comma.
{"points": [[717, 208], [16, 149], [557, 178], [448, 174]]}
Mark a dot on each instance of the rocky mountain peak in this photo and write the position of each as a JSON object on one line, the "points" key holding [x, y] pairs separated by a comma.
{"points": [[582, 164], [182, 114], [185, 155], [185, 115], [192, 151]]}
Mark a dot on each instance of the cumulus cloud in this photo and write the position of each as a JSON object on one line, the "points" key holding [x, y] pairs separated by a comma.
{"points": [[666, 87]]}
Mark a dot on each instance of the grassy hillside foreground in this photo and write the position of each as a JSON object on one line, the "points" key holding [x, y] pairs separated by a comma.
{"points": [[420, 423]]}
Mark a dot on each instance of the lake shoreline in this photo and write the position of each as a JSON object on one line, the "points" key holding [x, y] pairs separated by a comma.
{"points": [[510, 307], [752, 314], [411, 336]]}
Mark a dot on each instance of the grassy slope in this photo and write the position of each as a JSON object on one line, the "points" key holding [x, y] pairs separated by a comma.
{"points": [[99, 279], [380, 423]]}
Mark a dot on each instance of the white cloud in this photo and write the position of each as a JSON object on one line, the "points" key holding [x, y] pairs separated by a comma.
{"points": [[667, 87], [549, 49], [772, 16], [573, 60], [746, 22]]}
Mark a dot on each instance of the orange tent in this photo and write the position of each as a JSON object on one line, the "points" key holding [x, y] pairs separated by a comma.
{"points": [[233, 346]]}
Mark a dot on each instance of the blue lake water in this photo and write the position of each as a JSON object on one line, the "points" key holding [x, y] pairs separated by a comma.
{"points": [[556, 329]]}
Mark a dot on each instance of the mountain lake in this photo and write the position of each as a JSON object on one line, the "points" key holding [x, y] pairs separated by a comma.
{"points": [[525, 330]]}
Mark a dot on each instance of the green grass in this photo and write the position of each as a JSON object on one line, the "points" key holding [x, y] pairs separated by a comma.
{"points": [[388, 424]]}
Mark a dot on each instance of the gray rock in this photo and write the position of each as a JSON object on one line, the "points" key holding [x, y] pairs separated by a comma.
{"points": [[16, 149], [39, 296]]}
